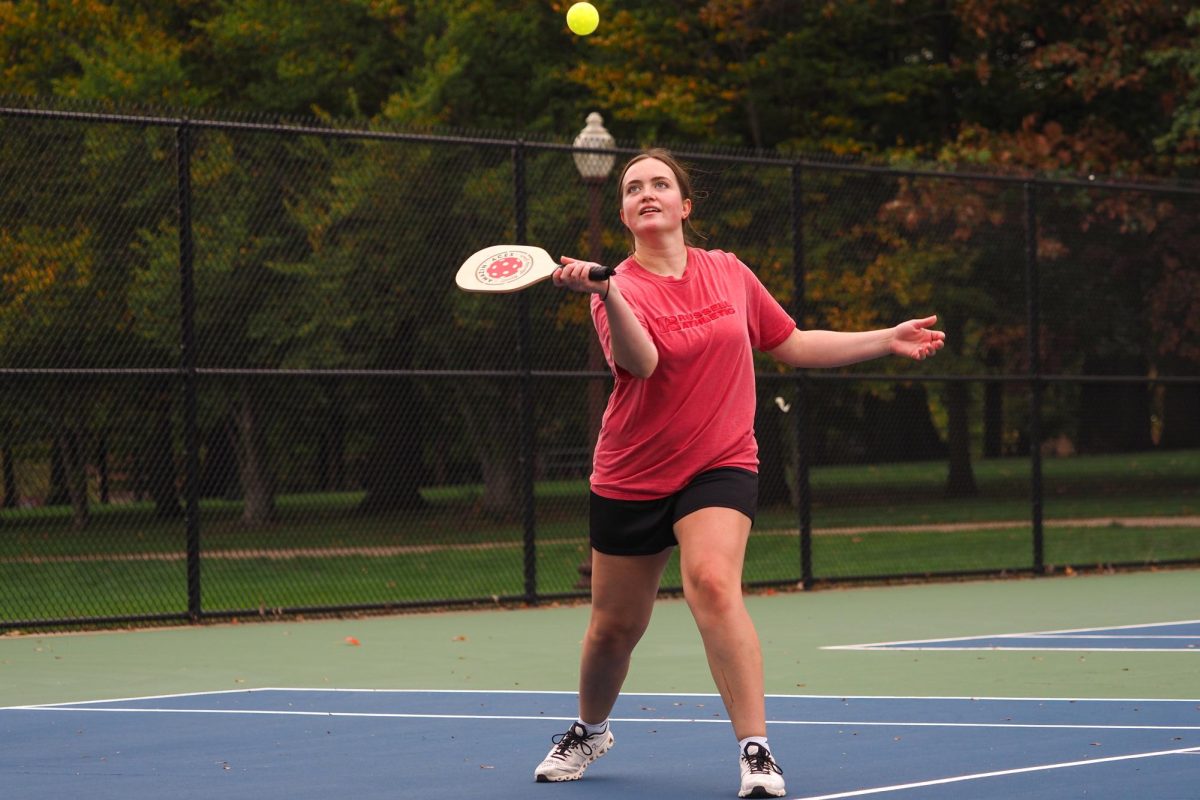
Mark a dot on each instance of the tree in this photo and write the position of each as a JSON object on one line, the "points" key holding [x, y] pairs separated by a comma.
{"points": [[303, 260]]}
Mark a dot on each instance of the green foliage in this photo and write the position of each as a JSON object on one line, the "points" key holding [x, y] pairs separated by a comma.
{"points": [[858, 77], [311, 56], [1181, 143], [316, 253]]}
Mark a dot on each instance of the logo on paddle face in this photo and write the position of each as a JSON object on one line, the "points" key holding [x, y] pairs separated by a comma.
{"points": [[504, 267]]}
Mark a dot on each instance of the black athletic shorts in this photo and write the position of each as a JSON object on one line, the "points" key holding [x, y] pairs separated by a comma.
{"points": [[646, 527]]}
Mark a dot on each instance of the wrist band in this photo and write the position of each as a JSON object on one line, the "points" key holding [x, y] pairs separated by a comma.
{"points": [[607, 288]]}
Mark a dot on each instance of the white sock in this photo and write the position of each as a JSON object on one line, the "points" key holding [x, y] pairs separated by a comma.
{"points": [[761, 741], [592, 730]]}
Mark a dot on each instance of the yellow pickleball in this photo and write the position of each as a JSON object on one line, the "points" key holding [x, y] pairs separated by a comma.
{"points": [[582, 18]]}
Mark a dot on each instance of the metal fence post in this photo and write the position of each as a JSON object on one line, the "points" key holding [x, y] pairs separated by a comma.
{"points": [[525, 347], [191, 436], [1033, 296], [803, 489]]}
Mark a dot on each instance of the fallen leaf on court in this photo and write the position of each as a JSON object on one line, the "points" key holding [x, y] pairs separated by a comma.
{"points": [[350, 640], [486, 766], [459, 639]]}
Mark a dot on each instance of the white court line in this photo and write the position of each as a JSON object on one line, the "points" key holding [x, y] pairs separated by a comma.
{"points": [[1001, 773], [1194, 636], [1025, 635], [1008, 648], [709, 695], [269, 713], [131, 699], [639, 720], [1126, 627], [714, 695]]}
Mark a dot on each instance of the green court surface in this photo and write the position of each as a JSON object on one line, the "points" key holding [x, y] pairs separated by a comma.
{"points": [[537, 649]]}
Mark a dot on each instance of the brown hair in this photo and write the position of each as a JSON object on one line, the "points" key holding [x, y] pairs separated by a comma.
{"points": [[682, 177]]}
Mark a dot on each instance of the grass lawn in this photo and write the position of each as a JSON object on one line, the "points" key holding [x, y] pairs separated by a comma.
{"points": [[128, 562]]}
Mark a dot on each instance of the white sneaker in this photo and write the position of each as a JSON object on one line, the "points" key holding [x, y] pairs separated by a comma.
{"points": [[761, 776], [571, 754]]}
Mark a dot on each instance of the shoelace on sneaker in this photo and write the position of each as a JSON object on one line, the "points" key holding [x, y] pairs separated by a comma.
{"points": [[760, 762], [574, 737]]}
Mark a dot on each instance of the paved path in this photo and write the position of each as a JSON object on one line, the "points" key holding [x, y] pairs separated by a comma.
{"points": [[283, 554]]}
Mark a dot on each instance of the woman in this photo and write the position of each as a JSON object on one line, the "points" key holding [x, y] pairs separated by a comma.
{"points": [[676, 461]]}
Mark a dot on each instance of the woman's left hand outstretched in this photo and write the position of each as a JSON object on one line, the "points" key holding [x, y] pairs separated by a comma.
{"points": [[916, 339]]}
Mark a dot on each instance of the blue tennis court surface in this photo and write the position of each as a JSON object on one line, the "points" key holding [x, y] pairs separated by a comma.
{"points": [[298, 743], [1163, 637]]}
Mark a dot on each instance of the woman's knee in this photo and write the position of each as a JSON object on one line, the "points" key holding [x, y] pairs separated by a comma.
{"points": [[710, 591], [614, 633]]}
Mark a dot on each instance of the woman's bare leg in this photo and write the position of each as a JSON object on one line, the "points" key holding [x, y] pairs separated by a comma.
{"points": [[712, 549], [624, 589]]}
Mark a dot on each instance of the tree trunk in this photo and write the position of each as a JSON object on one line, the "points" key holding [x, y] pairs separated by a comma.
{"points": [[500, 454], [59, 494], [1181, 417], [11, 500], [494, 413], [331, 448], [993, 411], [102, 468], [161, 459], [396, 465], [1114, 418], [961, 480], [901, 429], [772, 474], [254, 469], [501, 484], [75, 468], [219, 471]]}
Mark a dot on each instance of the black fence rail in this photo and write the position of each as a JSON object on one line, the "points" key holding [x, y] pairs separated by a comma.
{"points": [[236, 378]]}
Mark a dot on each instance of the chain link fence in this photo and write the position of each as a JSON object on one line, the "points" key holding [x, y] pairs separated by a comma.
{"points": [[237, 380]]}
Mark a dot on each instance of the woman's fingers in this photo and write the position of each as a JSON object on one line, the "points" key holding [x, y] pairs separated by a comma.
{"points": [[573, 274]]}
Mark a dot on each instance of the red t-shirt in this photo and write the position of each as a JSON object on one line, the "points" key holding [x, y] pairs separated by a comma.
{"points": [[696, 412]]}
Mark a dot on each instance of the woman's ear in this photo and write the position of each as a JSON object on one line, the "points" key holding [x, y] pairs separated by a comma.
{"points": [[687, 208]]}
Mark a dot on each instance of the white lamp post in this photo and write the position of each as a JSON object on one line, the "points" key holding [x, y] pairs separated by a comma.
{"points": [[594, 168]]}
